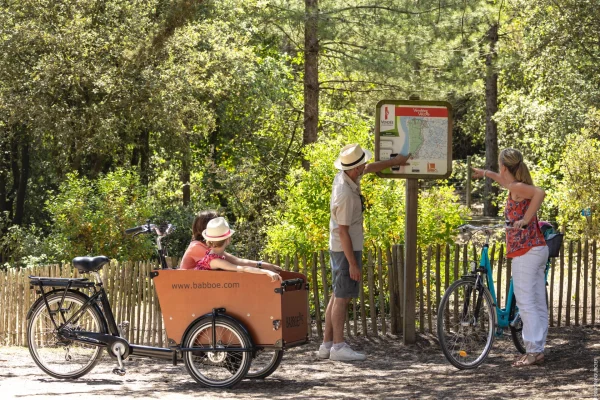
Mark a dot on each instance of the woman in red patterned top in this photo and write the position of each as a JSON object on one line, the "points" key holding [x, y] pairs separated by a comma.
{"points": [[526, 246], [218, 236], [198, 247]]}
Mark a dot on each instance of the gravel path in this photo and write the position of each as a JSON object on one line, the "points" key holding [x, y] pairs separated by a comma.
{"points": [[392, 371]]}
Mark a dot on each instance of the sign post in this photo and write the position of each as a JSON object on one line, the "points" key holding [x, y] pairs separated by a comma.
{"points": [[423, 129]]}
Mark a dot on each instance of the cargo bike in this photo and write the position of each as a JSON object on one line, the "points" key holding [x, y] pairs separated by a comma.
{"points": [[225, 326]]}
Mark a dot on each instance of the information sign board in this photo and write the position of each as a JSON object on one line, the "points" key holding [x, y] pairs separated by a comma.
{"points": [[421, 128]]}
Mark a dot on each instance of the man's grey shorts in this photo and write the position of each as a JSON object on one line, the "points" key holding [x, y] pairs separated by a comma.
{"points": [[343, 286]]}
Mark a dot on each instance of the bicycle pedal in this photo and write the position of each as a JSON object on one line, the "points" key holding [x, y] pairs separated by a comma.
{"points": [[119, 371]]}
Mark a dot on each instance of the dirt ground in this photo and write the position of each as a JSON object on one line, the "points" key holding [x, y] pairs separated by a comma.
{"points": [[392, 371]]}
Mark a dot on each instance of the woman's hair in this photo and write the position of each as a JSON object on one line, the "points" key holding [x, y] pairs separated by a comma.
{"points": [[200, 222], [213, 244], [513, 160]]}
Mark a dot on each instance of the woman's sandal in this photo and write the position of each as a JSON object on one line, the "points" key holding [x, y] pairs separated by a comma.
{"points": [[529, 359]]}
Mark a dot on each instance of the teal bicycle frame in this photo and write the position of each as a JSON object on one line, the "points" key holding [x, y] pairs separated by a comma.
{"points": [[502, 314]]}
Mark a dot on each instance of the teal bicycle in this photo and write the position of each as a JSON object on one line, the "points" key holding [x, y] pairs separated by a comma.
{"points": [[469, 316]]}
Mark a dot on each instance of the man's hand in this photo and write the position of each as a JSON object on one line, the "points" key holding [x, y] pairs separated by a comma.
{"points": [[354, 273], [401, 160]]}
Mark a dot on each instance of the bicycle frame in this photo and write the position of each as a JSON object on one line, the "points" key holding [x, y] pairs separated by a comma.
{"points": [[502, 314]]}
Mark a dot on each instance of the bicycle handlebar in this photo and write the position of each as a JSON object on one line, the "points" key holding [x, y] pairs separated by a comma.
{"points": [[160, 230], [134, 230]]}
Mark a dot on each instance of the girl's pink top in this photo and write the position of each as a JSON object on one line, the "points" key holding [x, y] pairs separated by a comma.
{"points": [[194, 253], [519, 241], [204, 263]]}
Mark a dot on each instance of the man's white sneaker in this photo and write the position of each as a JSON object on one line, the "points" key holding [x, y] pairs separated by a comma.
{"points": [[346, 354], [323, 352]]}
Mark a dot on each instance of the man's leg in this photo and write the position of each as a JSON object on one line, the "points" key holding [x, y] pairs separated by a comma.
{"points": [[328, 334], [338, 317]]}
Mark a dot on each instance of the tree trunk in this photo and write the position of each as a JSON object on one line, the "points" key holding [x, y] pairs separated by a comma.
{"points": [[491, 129], [23, 181], [145, 156], [311, 75]]}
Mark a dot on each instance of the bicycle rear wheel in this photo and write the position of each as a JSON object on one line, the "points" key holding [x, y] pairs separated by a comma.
{"points": [[264, 363], [516, 327], [465, 324], [59, 357]]}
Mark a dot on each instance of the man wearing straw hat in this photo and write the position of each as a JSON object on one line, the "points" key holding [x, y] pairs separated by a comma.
{"points": [[346, 244]]}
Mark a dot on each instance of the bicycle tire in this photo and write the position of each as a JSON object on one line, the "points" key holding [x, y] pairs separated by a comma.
{"points": [[217, 369], [59, 357], [264, 363], [516, 330], [464, 344]]}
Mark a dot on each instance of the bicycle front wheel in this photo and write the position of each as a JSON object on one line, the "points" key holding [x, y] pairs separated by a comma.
{"points": [[465, 324], [222, 368], [55, 355]]}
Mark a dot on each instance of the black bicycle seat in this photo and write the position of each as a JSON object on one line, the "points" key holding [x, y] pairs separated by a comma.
{"points": [[90, 264]]}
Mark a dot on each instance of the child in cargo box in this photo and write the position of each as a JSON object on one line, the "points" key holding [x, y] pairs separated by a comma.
{"points": [[210, 253]]}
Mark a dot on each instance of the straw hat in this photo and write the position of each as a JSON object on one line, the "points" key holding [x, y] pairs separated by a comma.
{"points": [[217, 229], [352, 156]]}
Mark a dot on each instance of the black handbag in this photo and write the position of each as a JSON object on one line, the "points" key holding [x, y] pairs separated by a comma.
{"points": [[554, 242]]}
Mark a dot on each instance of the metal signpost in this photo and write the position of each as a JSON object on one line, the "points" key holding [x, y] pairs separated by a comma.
{"points": [[423, 129]]}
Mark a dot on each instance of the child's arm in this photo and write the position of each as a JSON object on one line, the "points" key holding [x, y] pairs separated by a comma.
{"points": [[218, 263], [251, 263]]}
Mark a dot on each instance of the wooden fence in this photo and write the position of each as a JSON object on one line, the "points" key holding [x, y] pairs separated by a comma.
{"points": [[572, 281]]}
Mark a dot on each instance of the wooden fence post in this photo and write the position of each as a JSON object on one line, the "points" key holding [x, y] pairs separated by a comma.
{"points": [[381, 292], [372, 309], [315, 284]]}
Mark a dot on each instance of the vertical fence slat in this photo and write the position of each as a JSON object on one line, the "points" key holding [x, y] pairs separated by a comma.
{"points": [[577, 283], [371, 278], [381, 292], [308, 317], [585, 282], [551, 294], [428, 283], [593, 294], [561, 285], [324, 280], [363, 310], [420, 280], [569, 284], [315, 283], [437, 277], [392, 291], [400, 270]]}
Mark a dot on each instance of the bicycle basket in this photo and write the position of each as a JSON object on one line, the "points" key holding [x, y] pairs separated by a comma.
{"points": [[554, 242]]}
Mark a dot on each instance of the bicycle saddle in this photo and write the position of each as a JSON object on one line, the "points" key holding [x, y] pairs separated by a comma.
{"points": [[90, 264]]}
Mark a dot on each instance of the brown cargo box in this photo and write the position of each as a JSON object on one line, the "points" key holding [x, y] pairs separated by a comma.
{"points": [[272, 317]]}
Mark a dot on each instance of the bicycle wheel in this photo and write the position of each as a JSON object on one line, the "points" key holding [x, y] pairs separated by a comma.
{"points": [[516, 326], [55, 355], [217, 369], [264, 363], [466, 331]]}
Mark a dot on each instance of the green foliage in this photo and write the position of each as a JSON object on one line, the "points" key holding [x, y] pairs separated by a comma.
{"points": [[578, 189], [301, 224], [90, 217]]}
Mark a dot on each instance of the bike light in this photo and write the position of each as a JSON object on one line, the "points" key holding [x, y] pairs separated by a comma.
{"points": [[462, 353]]}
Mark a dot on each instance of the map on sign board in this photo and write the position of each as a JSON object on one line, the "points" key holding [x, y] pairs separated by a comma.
{"points": [[419, 129]]}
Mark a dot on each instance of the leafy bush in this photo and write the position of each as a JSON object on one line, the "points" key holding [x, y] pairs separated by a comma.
{"points": [[301, 225], [90, 217]]}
